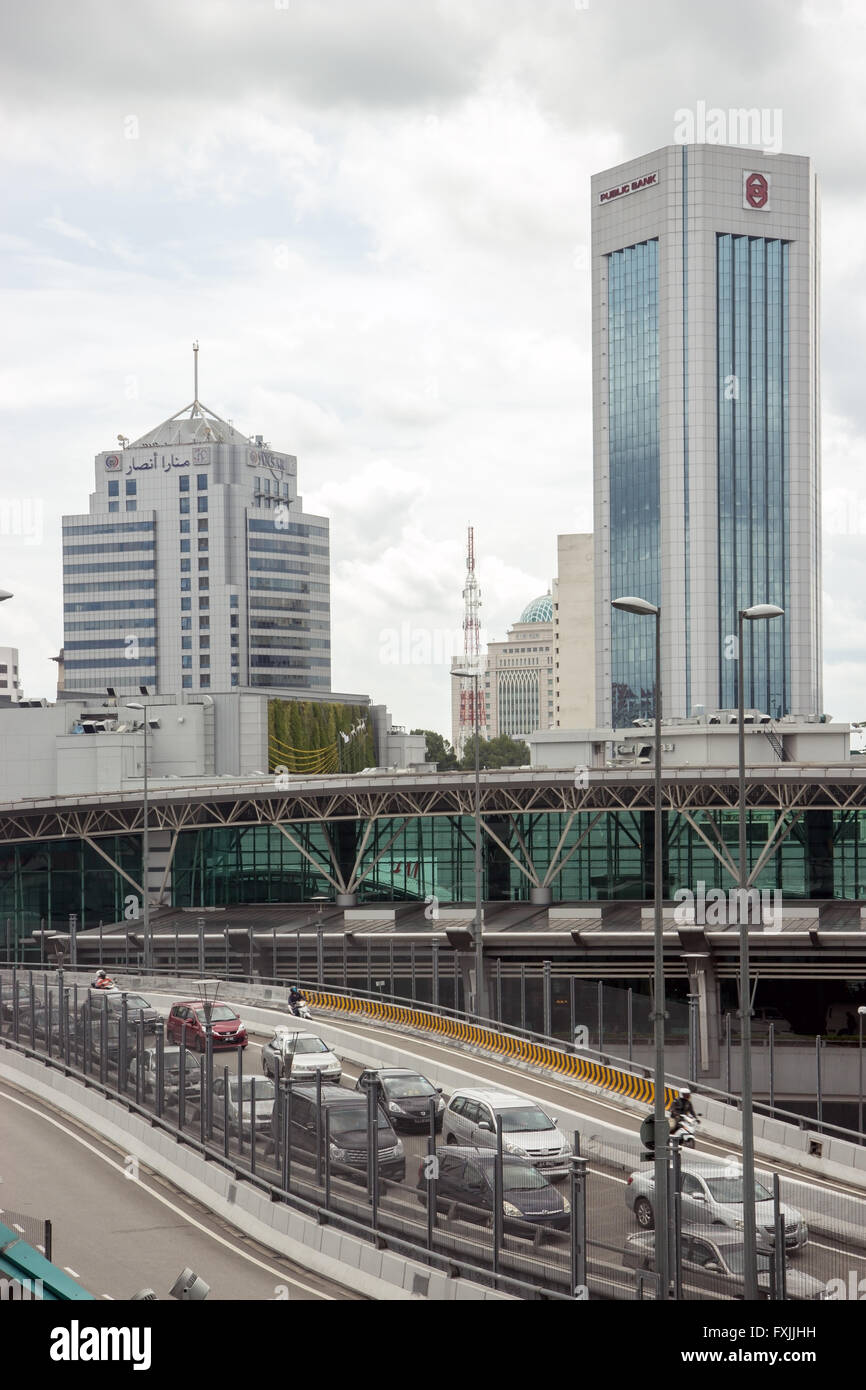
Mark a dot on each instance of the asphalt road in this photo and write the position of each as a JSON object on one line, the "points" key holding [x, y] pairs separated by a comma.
{"points": [[116, 1236]]}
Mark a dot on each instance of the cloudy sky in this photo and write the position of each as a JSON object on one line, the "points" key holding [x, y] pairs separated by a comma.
{"points": [[374, 216]]}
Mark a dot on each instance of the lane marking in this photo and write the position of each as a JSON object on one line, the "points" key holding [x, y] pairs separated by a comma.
{"points": [[281, 1275]]}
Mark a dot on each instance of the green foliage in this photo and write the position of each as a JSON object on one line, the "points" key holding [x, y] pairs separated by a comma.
{"points": [[309, 725], [438, 750], [495, 752]]}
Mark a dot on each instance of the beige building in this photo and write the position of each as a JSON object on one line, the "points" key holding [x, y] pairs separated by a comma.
{"points": [[574, 634], [518, 678]]}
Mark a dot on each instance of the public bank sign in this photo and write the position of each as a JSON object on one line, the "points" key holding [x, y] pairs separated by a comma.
{"points": [[634, 186]]}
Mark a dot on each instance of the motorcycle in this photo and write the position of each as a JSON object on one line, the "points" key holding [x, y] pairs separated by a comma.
{"points": [[301, 1009], [683, 1128]]}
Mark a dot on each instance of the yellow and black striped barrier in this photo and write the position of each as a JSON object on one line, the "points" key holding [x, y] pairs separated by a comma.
{"points": [[613, 1079]]}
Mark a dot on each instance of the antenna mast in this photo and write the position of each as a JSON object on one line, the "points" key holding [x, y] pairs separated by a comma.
{"points": [[195, 374], [471, 654]]}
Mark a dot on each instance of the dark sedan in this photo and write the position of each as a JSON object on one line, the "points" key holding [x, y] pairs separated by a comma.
{"points": [[406, 1096]]}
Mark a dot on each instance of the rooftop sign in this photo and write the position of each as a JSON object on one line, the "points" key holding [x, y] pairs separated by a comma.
{"points": [[631, 186]]}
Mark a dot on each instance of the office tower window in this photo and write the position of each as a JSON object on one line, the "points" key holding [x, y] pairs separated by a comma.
{"points": [[186, 662], [204, 603], [185, 624], [233, 600], [184, 527], [203, 562], [753, 485], [186, 682], [183, 484], [202, 504], [131, 506], [185, 605], [114, 506], [204, 624], [633, 424], [130, 487], [202, 543], [186, 644], [204, 682], [202, 523], [184, 565], [184, 547], [203, 582], [204, 663], [114, 487], [204, 642], [201, 481], [183, 503]]}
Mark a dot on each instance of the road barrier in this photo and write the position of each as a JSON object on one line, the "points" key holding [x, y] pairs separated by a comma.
{"points": [[608, 1078]]}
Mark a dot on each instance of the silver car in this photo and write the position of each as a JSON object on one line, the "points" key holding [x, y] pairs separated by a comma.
{"points": [[527, 1130], [307, 1053], [242, 1106], [712, 1193]]}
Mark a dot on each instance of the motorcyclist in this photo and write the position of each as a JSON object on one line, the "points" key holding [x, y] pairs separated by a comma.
{"points": [[296, 999], [682, 1108], [103, 980]]}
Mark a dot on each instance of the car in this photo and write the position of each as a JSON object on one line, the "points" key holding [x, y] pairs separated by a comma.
{"points": [[527, 1130], [713, 1262], [406, 1096], [766, 1014], [466, 1176], [712, 1194], [170, 1071], [347, 1122], [240, 1103], [307, 1054], [138, 1009], [187, 1021]]}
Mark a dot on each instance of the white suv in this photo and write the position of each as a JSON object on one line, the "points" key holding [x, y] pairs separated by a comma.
{"points": [[527, 1130]]}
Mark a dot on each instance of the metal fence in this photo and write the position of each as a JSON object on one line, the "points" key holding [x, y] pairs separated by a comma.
{"points": [[476, 1210]]}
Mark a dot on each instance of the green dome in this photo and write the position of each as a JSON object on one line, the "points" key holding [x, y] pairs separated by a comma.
{"points": [[540, 610]]}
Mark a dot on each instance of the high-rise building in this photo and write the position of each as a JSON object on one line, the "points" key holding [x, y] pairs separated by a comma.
{"points": [[196, 567], [518, 674], [10, 685], [573, 633], [705, 265]]}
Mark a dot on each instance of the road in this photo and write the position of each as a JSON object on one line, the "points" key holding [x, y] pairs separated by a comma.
{"points": [[116, 1236]]}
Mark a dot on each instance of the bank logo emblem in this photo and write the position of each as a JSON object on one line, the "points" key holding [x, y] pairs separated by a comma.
{"points": [[756, 191], [112, 464]]}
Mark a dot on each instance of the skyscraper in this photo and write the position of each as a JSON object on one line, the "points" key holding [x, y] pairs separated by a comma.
{"points": [[196, 567], [705, 264]]}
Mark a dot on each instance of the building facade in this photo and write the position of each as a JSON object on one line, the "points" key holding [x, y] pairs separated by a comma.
{"points": [[574, 633], [518, 674], [705, 264], [196, 568], [10, 684]]}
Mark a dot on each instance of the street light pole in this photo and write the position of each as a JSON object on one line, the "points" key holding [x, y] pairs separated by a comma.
{"points": [[860, 1013], [145, 848], [643, 608], [750, 1235], [478, 924]]}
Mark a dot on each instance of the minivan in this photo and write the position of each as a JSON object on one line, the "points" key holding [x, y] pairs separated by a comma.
{"points": [[347, 1121], [527, 1130]]}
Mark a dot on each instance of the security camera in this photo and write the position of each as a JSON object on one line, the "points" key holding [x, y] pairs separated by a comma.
{"points": [[189, 1288]]}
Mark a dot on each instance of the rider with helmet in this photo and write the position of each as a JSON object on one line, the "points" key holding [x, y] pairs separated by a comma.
{"points": [[103, 980]]}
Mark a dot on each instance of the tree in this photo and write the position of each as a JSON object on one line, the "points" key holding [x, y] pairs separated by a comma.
{"points": [[438, 750], [495, 752]]}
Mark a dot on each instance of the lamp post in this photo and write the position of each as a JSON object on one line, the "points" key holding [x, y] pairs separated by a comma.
{"points": [[145, 845], [861, 1012], [750, 1238], [644, 609], [207, 992], [478, 923]]}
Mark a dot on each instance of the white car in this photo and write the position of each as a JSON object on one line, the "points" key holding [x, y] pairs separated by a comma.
{"points": [[527, 1130], [307, 1054], [712, 1193]]}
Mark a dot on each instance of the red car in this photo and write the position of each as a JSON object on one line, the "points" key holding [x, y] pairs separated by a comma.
{"points": [[188, 1019]]}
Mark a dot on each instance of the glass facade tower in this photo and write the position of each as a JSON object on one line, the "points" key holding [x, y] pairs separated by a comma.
{"points": [[705, 268], [633, 308]]}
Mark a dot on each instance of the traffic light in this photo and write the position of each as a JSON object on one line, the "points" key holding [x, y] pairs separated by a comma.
{"points": [[647, 1138]]}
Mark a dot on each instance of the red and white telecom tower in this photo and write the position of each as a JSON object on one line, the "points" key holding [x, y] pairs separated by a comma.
{"points": [[471, 660]]}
